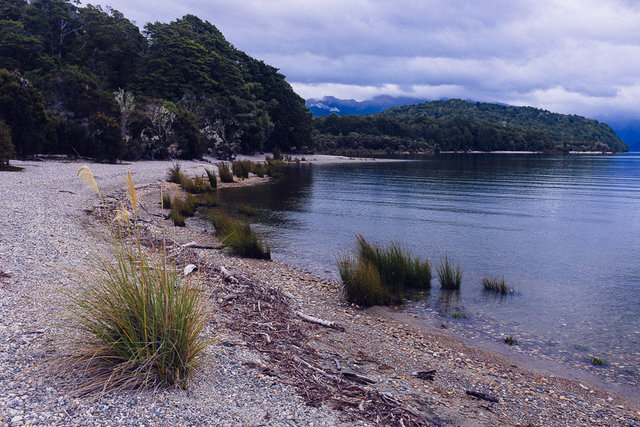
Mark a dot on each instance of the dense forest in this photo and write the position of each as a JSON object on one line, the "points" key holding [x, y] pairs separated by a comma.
{"points": [[87, 81], [456, 125]]}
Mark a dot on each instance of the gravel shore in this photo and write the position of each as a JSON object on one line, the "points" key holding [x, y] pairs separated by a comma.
{"points": [[247, 378]]}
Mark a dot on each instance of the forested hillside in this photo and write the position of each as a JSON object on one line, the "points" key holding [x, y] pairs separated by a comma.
{"points": [[463, 125], [86, 80]]}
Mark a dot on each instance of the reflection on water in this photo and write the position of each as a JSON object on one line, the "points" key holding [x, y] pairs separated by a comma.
{"points": [[564, 231]]}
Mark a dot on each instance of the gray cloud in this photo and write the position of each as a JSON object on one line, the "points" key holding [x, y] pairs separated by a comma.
{"points": [[563, 55]]}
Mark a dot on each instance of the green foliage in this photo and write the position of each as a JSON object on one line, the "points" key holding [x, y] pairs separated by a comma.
{"points": [[458, 315], [225, 173], [6, 146], [107, 137], [209, 199], [450, 277], [259, 169], [177, 217], [246, 209], [492, 284], [141, 323], [597, 361], [461, 125], [195, 185], [22, 109], [223, 99], [185, 207], [397, 270], [239, 237], [509, 340], [213, 180]]}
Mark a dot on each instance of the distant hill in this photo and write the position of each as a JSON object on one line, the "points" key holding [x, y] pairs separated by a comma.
{"points": [[463, 125], [342, 107]]}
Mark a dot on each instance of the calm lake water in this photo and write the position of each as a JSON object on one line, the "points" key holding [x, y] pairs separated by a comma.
{"points": [[564, 231]]}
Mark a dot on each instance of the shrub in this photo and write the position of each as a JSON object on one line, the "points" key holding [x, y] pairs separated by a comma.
{"points": [[246, 209], [492, 284], [241, 168], [225, 173], [449, 277], [213, 180], [239, 237], [396, 268], [141, 325], [175, 174]]}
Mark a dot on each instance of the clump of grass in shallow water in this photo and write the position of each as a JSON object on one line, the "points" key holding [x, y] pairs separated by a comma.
{"points": [[239, 237], [397, 269], [449, 277], [509, 340], [492, 284], [457, 315], [140, 324], [597, 361]]}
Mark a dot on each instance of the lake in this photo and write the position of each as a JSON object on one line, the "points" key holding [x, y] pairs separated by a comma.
{"points": [[564, 231]]}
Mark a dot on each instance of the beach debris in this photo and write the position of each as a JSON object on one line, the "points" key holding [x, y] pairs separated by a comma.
{"points": [[483, 396], [318, 321], [357, 378], [190, 268]]}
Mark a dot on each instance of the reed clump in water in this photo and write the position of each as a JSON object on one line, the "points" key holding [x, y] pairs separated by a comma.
{"points": [[239, 237], [379, 275], [141, 324], [450, 276], [492, 284]]}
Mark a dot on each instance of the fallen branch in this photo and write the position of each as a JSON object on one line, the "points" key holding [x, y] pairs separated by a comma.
{"points": [[228, 276], [483, 396], [357, 378], [322, 322]]}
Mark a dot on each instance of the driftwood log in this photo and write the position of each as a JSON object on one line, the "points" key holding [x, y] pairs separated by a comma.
{"points": [[318, 321]]}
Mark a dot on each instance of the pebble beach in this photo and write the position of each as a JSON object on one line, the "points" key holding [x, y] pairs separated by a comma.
{"points": [[251, 373]]}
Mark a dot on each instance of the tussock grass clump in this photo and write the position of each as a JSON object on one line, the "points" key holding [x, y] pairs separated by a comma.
{"points": [[509, 340], [459, 315], [239, 237], [492, 284], [213, 179], [450, 277], [225, 173], [259, 169], [274, 168], [140, 324], [166, 201], [195, 185], [175, 173], [597, 361], [246, 209], [397, 269], [177, 218], [241, 168], [362, 282]]}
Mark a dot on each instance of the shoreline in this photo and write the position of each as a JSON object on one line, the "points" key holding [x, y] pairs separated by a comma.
{"points": [[386, 350]]}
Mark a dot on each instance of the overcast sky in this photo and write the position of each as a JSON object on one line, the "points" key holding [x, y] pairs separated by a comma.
{"points": [[567, 56]]}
